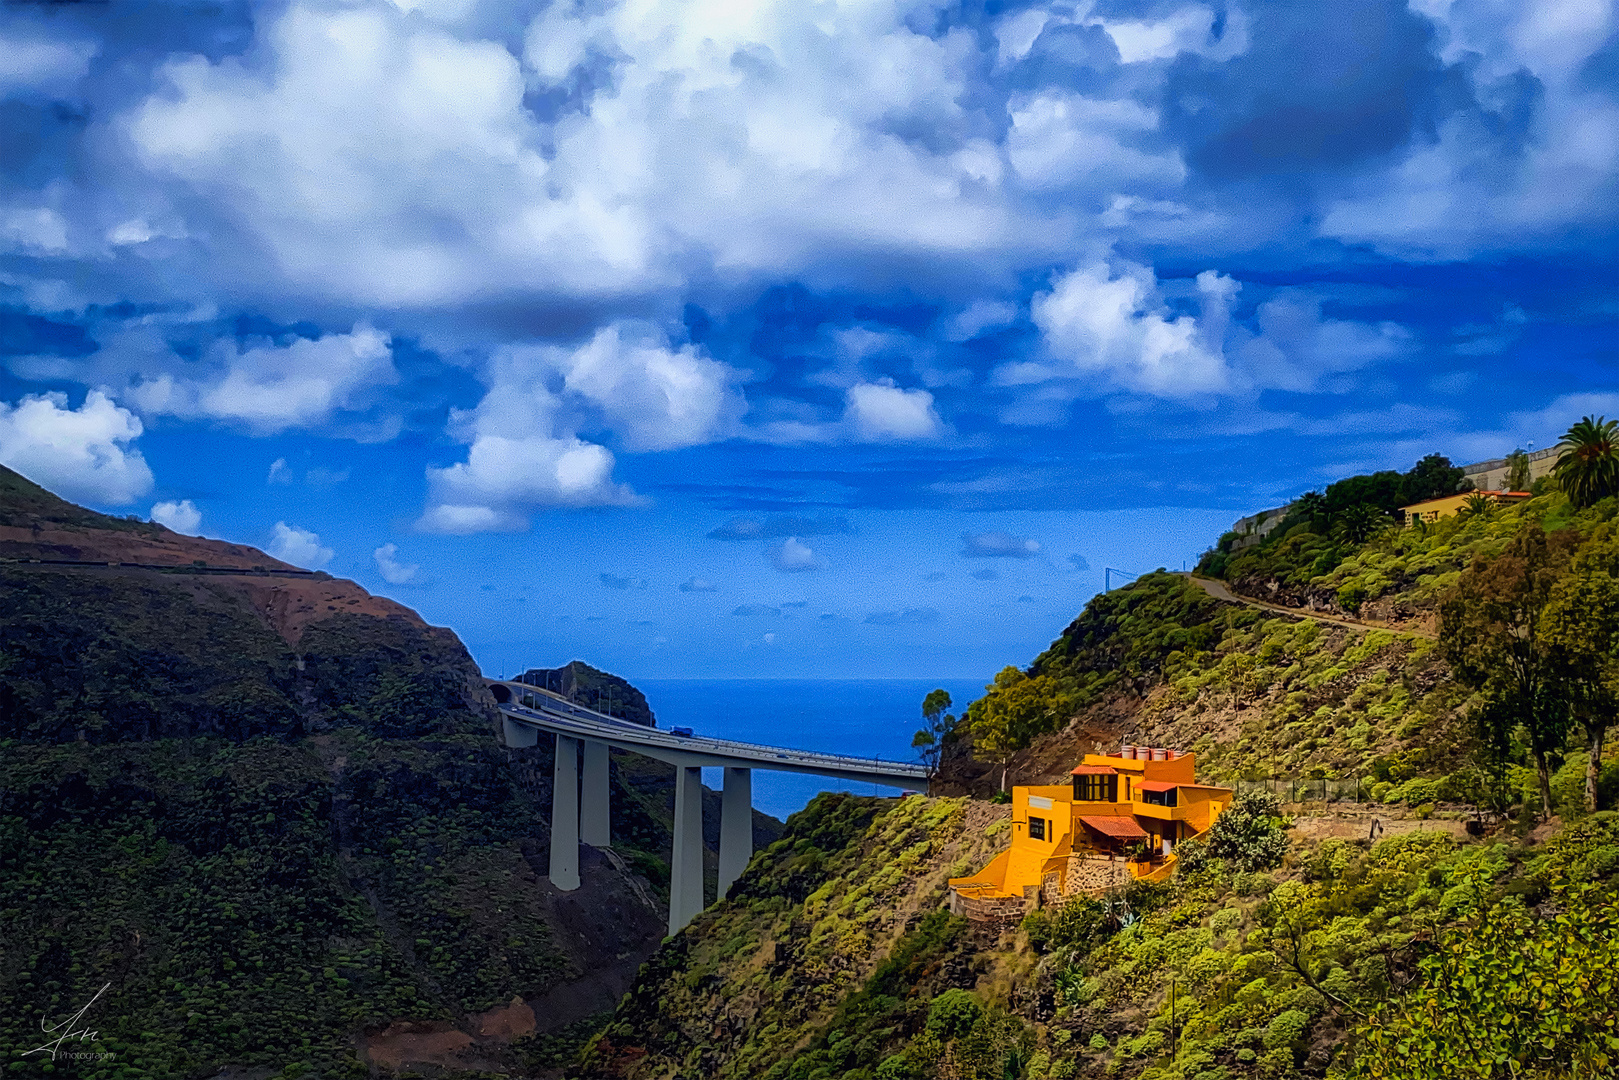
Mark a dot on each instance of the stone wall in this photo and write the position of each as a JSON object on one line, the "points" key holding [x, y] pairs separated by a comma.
{"points": [[989, 910], [1492, 475]]}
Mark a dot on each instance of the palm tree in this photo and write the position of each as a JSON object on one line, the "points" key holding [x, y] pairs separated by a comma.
{"points": [[1478, 504], [1588, 468], [1312, 507], [1359, 523]]}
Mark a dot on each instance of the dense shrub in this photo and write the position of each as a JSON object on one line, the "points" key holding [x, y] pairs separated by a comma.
{"points": [[1249, 836], [953, 1014]]}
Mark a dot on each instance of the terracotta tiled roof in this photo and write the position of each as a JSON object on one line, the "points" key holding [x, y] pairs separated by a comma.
{"points": [[1157, 785], [1120, 828], [1095, 770]]}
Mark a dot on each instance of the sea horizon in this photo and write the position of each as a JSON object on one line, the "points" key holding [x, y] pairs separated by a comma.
{"points": [[826, 715]]}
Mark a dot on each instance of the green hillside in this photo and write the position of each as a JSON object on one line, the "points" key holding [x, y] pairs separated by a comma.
{"points": [[273, 819], [1260, 694], [836, 958]]}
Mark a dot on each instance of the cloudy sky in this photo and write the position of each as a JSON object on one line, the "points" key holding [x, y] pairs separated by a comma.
{"points": [[788, 337]]}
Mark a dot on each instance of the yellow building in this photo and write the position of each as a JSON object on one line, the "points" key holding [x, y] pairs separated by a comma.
{"points": [[1118, 821], [1451, 505]]}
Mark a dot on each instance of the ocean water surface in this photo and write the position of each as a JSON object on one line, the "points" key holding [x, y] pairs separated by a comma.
{"points": [[859, 717]]}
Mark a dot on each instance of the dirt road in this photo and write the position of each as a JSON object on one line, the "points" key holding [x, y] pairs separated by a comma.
{"points": [[1219, 591]]}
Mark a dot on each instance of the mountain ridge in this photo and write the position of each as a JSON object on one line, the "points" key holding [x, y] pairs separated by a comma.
{"points": [[296, 844]]}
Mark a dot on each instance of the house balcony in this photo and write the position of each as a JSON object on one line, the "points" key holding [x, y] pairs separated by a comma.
{"points": [[1159, 813]]}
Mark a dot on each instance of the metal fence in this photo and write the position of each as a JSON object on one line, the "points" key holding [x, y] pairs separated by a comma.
{"points": [[1299, 789]]}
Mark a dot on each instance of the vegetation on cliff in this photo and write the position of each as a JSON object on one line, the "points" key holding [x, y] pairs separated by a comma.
{"points": [[1261, 694], [270, 819], [584, 685], [749, 989], [1412, 956]]}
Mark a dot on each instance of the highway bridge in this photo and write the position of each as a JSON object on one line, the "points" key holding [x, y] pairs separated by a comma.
{"points": [[581, 812]]}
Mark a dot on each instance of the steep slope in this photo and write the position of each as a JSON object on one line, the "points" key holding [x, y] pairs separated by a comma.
{"points": [[580, 683], [1256, 695], [836, 959], [269, 812], [746, 989], [1262, 695]]}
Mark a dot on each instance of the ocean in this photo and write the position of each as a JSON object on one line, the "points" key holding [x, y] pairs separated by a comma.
{"points": [[860, 717]]}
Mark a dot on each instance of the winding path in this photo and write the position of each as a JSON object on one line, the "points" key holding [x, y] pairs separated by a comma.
{"points": [[1219, 591]]}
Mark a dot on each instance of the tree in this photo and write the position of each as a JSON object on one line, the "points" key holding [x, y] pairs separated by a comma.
{"points": [[1434, 477], [1489, 632], [1359, 523], [1580, 626], [1249, 835], [1312, 507], [1478, 504], [1384, 490], [939, 726], [1016, 708], [1517, 471], [1507, 992], [994, 720], [1587, 469]]}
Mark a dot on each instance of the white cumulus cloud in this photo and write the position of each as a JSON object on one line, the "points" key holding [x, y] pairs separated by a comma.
{"points": [[793, 556], [651, 396], [300, 547], [1114, 323], [1459, 191], [35, 229], [883, 412], [392, 570], [525, 447], [1061, 140], [39, 63], [390, 159], [269, 388], [183, 516], [1297, 347], [83, 454], [504, 477]]}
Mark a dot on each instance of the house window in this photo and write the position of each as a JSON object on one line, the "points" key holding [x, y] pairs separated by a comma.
{"points": [[1037, 828], [1098, 788], [1160, 798]]}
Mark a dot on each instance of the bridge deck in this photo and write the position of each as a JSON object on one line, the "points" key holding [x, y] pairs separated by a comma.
{"points": [[563, 717]]}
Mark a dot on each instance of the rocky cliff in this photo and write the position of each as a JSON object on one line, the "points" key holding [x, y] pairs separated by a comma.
{"points": [[269, 812], [584, 685]]}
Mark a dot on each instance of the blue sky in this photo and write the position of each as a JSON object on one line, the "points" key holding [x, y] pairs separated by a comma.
{"points": [[785, 338]]}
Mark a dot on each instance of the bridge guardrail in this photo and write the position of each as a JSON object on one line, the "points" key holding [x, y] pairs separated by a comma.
{"points": [[656, 737]]}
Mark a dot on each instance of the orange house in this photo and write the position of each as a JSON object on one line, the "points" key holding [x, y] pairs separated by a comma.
{"points": [[1117, 822]]}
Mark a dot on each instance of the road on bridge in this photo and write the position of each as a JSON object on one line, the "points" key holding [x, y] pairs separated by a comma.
{"points": [[581, 789]]}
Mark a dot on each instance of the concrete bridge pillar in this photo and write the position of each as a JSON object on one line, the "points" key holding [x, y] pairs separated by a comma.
{"points": [[595, 812], [565, 816], [686, 869], [736, 827], [518, 735]]}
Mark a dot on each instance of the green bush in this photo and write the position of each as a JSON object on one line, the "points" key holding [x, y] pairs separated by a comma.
{"points": [[1249, 834], [1036, 926], [899, 1067], [953, 1013], [1286, 1029]]}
